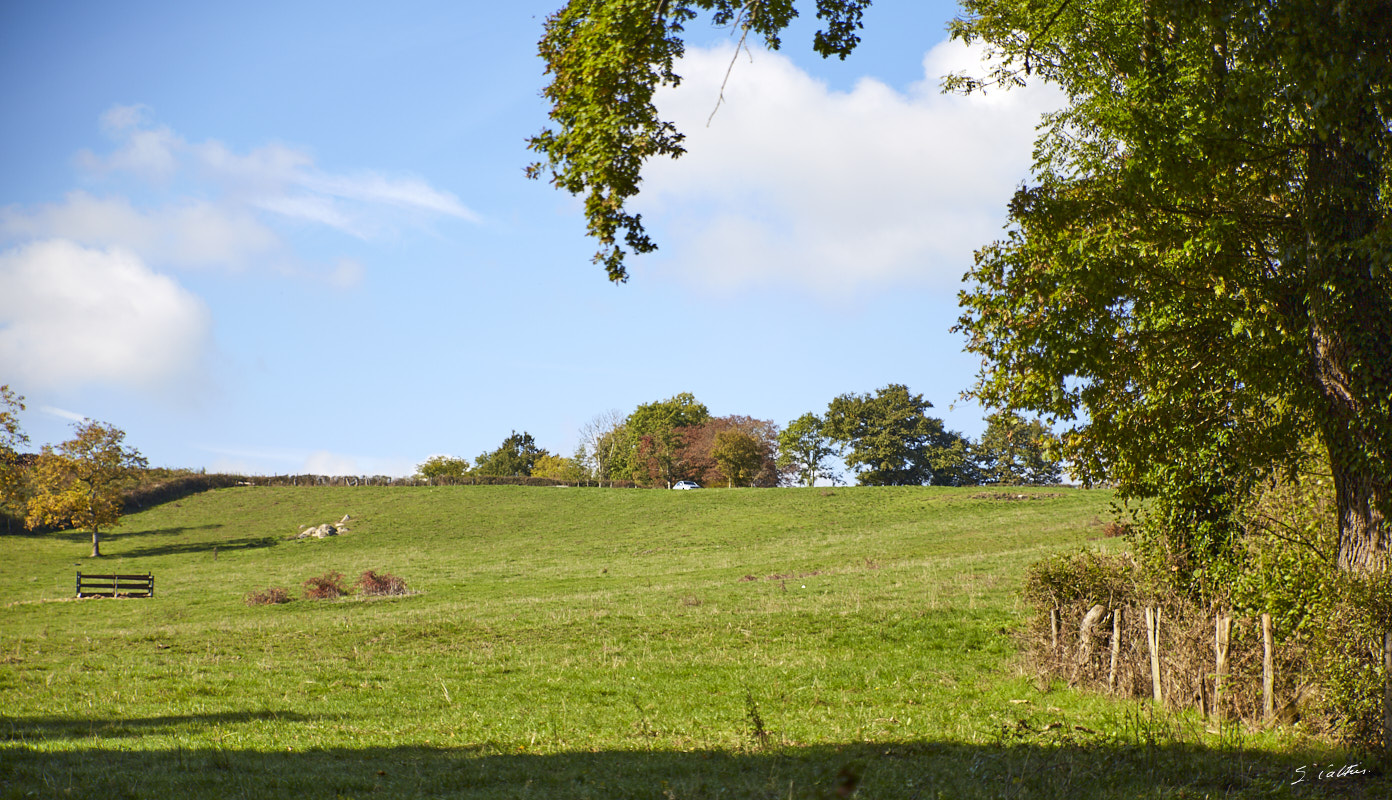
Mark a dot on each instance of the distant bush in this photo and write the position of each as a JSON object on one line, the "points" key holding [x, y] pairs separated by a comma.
{"points": [[273, 595], [325, 587], [372, 584]]}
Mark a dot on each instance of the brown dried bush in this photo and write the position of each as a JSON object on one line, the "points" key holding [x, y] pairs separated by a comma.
{"points": [[325, 587], [273, 595], [373, 584], [1116, 529]]}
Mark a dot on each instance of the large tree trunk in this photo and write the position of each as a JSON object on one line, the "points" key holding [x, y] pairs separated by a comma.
{"points": [[96, 546], [1363, 529], [1349, 345]]}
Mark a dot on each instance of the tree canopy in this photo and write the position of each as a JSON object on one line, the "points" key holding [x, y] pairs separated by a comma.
{"points": [[442, 467], [890, 440], [653, 432], [1197, 274], [803, 449], [1017, 452], [734, 450], [516, 456]]}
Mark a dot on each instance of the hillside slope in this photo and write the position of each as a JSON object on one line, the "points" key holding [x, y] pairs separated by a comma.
{"points": [[553, 636]]}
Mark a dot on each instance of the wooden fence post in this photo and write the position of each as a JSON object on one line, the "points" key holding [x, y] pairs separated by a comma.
{"points": [[1152, 620], [1222, 634], [1054, 627], [1116, 647], [1093, 616], [1268, 671]]}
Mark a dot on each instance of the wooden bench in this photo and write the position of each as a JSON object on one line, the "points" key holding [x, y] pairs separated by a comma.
{"points": [[116, 585]]}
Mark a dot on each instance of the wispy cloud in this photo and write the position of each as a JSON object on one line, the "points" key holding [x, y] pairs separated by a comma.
{"points": [[214, 206], [274, 178], [63, 413]]}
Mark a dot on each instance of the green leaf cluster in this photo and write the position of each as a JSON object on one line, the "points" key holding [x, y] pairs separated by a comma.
{"points": [[606, 59]]}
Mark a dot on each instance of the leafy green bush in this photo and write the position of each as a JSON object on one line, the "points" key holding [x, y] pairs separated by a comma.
{"points": [[1348, 656], [1086, 577], [1290, 570]]}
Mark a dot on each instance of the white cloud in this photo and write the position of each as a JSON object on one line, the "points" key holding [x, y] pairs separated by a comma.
{"points": [[402, 192], [72, 315], [793, 184], [82, 300], [189, 233], [322, 462], [347, 274], [146, 151], [281, 461]]}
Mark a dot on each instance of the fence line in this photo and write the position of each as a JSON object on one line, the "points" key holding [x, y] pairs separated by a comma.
{"points": [[1165, 660]]}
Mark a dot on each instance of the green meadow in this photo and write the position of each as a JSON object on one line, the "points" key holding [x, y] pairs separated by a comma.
{"points": [[588, 643]]}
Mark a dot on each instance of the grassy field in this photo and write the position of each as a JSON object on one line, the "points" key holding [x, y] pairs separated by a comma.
{"points": [[590, 644]]}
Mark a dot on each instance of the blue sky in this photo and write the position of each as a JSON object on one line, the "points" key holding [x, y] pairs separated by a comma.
{"points": [[296, 237]]}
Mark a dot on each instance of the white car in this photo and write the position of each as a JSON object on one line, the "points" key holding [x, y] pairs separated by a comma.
{"points": [[686, 485]]}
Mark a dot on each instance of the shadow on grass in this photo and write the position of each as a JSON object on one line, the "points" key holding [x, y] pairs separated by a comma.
{"points": [[188, 548], [116, 534], [905, 770], [30, 730]]}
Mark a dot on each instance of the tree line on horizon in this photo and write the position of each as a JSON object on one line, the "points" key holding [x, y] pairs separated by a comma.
{"points": [[886, 438]]}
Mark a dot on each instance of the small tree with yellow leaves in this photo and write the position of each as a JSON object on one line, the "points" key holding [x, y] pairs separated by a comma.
{"points": [[79, 484]]}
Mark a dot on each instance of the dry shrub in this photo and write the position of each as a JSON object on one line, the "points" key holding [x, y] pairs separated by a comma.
{"points": [[325, 587], [274, 595], [372, 584]]}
